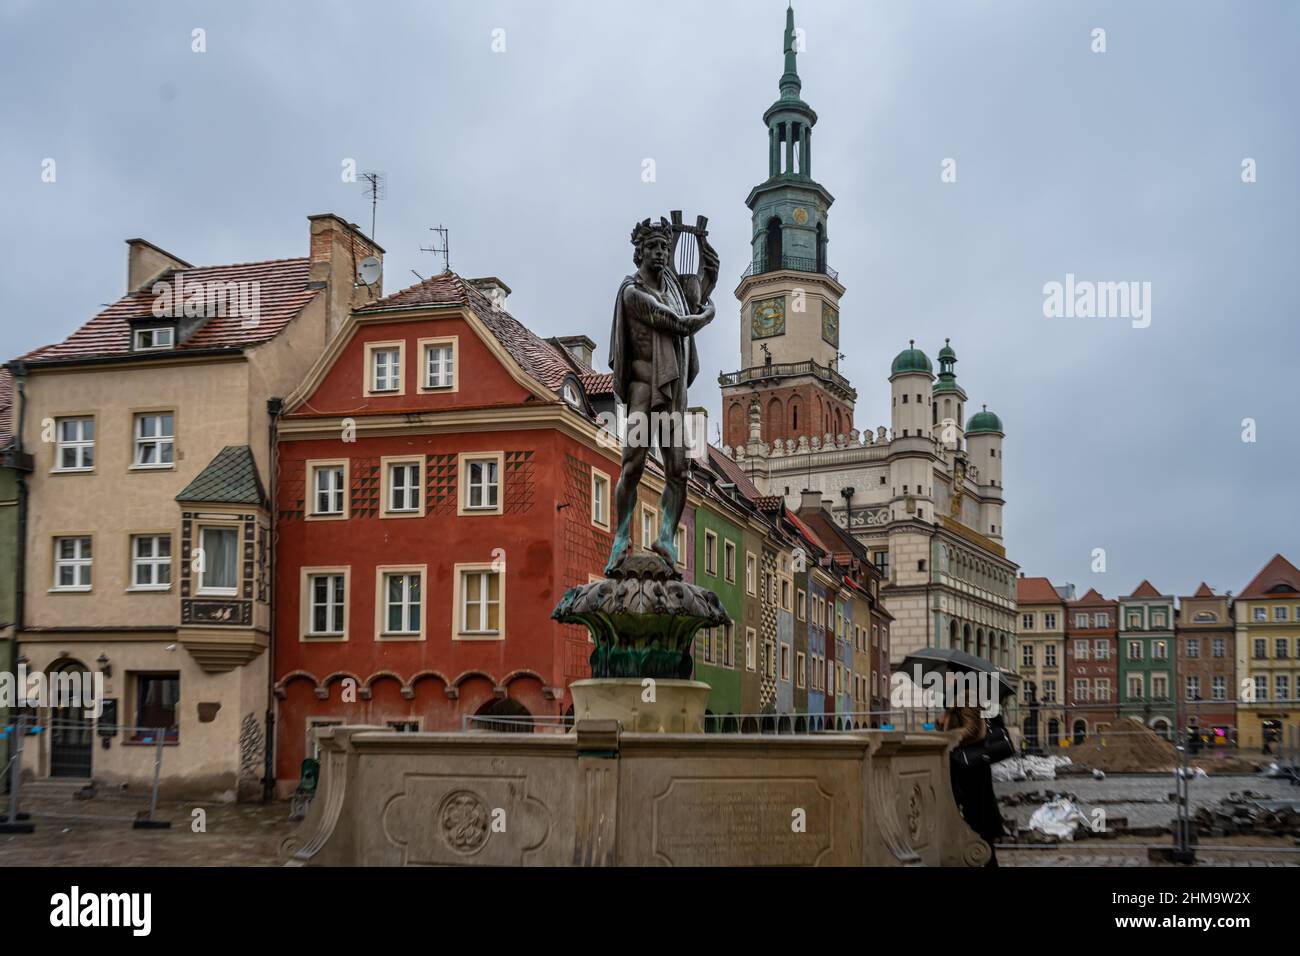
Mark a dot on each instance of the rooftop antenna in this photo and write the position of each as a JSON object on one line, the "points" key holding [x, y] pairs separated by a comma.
{"points": [[375, 183], [444, 250]]}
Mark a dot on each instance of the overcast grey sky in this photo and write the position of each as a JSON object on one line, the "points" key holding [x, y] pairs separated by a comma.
{"points": [[1115, 166]]}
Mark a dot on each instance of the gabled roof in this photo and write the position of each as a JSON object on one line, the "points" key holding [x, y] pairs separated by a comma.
{"points": [[1145, 590], [807, 532], [1092, 599], [1278, 577], [838, 540], [1036, 591], [733, 473], [541, 360], [282, 292], [1204, 591], [230, 478]]}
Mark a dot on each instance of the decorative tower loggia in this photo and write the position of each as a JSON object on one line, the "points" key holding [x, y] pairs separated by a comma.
{"points": [[789, 296]]}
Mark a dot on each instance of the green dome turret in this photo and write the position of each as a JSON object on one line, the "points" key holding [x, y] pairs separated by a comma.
{"points": [[911, 359], [947, 373], [984, 421]]}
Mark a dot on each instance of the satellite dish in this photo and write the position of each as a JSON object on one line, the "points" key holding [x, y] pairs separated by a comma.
{"points": [[369, 270]]}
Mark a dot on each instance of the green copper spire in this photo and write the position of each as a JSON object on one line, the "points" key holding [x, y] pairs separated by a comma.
{"points": [[790, 84]]}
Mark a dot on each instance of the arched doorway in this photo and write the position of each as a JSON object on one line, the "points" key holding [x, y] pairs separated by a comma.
{"points": [[1053, 733], [1161, 726], [71, 734], [1080, 731], [514, 717]]}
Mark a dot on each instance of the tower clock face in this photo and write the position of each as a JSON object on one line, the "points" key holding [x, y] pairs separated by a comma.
{"points": [[768, 318], [831, 324]]}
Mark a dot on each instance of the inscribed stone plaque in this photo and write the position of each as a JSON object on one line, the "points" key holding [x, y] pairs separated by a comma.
{"points": [[729, 821]]}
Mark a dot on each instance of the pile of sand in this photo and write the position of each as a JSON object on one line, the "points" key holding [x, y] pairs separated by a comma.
{"points": [[1127, 746]]}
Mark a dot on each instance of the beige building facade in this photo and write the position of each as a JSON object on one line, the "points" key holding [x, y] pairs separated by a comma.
{"points": [[148, 545]]}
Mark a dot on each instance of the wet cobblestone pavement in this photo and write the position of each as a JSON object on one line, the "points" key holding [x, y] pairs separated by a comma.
{"points": [[98, 832], [1149, 793]]}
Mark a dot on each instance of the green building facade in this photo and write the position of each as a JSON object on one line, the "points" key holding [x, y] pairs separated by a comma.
{"points": [[1147, 678]]}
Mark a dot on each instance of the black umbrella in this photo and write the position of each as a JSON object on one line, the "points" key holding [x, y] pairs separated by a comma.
{"points": [[949, 660]]}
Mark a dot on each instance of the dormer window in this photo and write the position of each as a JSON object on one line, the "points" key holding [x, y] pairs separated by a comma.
{"points": [[571, 395], [154, 339]]}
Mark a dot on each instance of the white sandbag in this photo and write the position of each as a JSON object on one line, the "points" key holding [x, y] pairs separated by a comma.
{"points": [[1058, 818]]}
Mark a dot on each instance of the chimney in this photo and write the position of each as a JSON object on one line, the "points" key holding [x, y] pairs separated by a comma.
{"points": [[810, 500], [580, 347], [337, 248], [145, 262], [496, 292]]}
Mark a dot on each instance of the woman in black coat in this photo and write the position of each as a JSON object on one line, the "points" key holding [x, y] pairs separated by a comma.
{"points": [[972, 783]]}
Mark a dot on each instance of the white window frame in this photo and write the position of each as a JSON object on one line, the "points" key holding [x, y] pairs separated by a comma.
{"points": [[466, 462], [307, 604], [426, 347], [751, 574], [600, 506], [371, 378], [1218, 687], [461, 627], [648, 531], [1081, 649], [159, 442], [82, 560], [316, 467], [710, 553], [386, 466], [201, 587], [155, 332], [382, 574], [729, 561], [79, 445], [154, 562], [751, 649]]}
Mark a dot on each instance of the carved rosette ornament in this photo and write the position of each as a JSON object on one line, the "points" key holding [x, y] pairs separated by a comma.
{"points": [[463, 822]]}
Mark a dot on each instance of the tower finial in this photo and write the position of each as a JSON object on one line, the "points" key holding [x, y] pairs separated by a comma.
{"points": [[790, 83]]}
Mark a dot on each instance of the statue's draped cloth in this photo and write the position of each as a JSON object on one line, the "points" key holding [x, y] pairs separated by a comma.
{"points": [[671, 352]]}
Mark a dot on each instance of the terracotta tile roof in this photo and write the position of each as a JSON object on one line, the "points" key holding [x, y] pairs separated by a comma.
{"points": [[1277, 577], [537, 357], [598, 383], [807, 532], [282, 292], [1146, 589], [732, 472], [1092, 599], [231, 478], [838, 540], [1036, 591], [6, 406], [1204, 591]]}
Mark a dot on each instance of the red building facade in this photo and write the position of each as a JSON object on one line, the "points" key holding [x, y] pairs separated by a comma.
{"points": [[439, 483], [1091, 665]]}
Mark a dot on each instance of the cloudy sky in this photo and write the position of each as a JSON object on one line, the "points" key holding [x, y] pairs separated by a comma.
{"points": [[1123, 165]]}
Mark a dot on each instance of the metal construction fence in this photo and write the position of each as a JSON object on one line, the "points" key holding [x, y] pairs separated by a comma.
{"points": [[68, 760]]}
